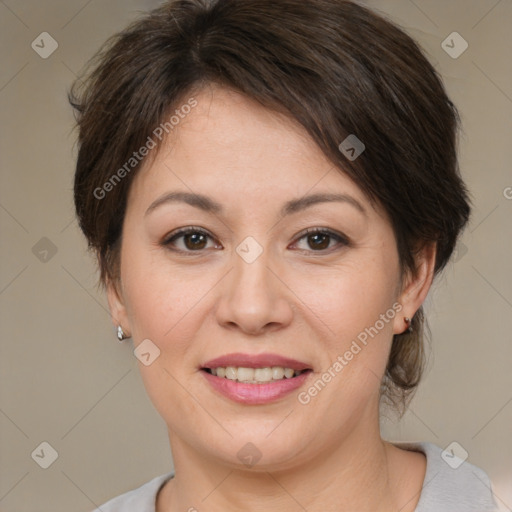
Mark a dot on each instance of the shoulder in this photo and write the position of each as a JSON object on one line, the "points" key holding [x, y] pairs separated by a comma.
{"points": [[141, 499], [451, 484]]}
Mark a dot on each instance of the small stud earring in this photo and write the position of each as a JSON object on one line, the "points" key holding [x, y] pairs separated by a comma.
{"points": [[120, 333], [408, 322]]}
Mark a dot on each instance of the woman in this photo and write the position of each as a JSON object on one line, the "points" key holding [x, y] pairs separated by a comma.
{"points": [[270, 188]]}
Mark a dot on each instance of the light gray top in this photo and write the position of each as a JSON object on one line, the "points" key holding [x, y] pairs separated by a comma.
{"points": [[448, 487]]}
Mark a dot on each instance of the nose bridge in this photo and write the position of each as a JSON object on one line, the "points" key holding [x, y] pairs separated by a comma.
{"points": [[253, 297], [251, 277]]}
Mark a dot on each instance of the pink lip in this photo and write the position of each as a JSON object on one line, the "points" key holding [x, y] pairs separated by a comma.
{"points": [[255, 394], [255, 361]]}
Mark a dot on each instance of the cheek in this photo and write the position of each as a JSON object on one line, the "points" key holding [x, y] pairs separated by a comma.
{"points": [[350, 298], [352, 308], [168, 304], [160, 299], [154, 294], [163, 306]]}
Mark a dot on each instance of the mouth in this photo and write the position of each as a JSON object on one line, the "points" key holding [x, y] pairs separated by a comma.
{"points": [[255, 379], [255, 368], [246, 375]]}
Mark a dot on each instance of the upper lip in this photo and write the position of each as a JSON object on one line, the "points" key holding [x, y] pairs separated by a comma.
{"points": [[255, 361]]}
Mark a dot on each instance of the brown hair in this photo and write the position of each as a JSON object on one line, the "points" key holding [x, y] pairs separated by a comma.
{"points": [[332, 65]]}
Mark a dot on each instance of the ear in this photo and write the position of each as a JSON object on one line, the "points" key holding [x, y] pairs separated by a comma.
{"points": [[117, 306], [416, 286]]}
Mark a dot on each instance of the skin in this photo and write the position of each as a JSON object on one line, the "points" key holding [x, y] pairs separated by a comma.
{"points": [[295, 299]]}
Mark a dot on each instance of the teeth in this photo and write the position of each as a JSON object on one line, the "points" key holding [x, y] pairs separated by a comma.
{"points": [[231, 373], [288, 373], [255, 375], [260, 374], [246, 374], [277, 373]]}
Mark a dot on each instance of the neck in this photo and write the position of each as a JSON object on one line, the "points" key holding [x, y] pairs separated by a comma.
{"points": [[356, 474]]}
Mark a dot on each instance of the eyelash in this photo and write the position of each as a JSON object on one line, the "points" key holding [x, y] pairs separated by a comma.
{"points": [[341, 239]]}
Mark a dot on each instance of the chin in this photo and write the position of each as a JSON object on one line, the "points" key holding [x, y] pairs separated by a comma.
{"points": [[261, 452]]}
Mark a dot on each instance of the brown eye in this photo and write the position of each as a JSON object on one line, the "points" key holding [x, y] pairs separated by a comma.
{"points": [[319, 239], [192, 240]]}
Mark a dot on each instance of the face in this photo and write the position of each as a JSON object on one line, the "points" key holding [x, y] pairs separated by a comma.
{"points": [[305, 282]]}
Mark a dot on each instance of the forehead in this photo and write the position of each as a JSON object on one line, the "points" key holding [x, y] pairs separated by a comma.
{"points": [[229, 144], [236, 128]]}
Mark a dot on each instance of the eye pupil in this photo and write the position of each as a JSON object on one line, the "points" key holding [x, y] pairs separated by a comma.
{"points": [[323, 244], [194, 237]]}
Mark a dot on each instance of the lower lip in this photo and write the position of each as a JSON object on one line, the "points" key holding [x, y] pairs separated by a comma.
{"points": [[255, 394]]}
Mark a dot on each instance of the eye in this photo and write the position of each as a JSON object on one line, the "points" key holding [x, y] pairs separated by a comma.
{"points": [[194, 239], [319, 239]]}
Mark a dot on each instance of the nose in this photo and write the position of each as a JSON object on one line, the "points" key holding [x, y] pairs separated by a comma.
{"points": [[254, 298]]}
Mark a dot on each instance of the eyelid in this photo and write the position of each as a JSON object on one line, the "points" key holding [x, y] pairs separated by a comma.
{"points": [[185, 231], [342, 239], [326, 231]]}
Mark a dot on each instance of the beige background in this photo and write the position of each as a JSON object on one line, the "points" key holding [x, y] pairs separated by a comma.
{"points": [[67, 381]]}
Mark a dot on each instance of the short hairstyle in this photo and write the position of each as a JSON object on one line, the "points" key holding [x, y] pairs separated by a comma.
{"points": [[334, 66]]}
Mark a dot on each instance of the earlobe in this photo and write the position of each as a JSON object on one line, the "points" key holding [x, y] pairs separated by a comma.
{"points": [[117, 309], [416, 287]]}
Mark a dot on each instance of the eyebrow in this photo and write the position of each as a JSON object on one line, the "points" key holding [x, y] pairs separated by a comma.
{"points": [[208, 205]]}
